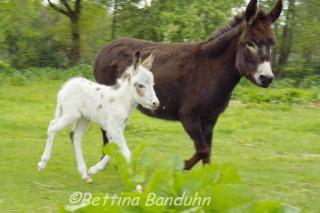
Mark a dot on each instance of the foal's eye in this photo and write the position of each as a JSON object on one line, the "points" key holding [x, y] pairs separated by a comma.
{"points": [[140, 86]]}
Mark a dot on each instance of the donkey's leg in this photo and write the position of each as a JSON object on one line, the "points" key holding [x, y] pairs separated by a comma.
{"points": [[104, 136], [105, 140], [54, 126], [193, 127], [207, 129], [78, 132]]}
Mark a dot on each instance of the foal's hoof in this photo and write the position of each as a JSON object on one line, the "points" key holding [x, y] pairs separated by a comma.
{"points": [[88, 179], [92, 170], [40, 167], [138, 188]]}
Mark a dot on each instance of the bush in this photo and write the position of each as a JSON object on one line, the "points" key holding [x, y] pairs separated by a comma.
{"points": [[282, 92], [4, 65], [18, 80], [220, 185], [21, 77]]}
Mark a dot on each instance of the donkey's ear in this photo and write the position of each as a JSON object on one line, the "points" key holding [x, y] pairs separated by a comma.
{"points": [[276, 11], [147, 63], [136, 59], [251, 11]]}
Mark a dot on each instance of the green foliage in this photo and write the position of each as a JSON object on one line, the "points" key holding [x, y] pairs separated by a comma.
{"points": [[29, 75], [283, 92], [167, 20], [33, 35], [24, 42], [219, 184]]}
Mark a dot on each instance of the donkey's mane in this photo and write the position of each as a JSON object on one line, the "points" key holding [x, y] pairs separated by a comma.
{"points": [[233, 23], [123, 77]]}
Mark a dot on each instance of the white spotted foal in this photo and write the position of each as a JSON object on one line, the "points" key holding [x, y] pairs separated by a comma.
{"points": [[80, 101]]}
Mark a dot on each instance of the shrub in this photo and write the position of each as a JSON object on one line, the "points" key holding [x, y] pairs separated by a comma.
{"points": [[218, 183], [21, 77], [250, 94], [18, 80]]}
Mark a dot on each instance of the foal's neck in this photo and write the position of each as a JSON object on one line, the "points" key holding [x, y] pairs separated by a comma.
{"points": [[125, 96]]}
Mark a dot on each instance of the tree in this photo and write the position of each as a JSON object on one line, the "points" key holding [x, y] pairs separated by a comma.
{"points": [[166, 20], [286, 39], [115, 7], [74, 16]]}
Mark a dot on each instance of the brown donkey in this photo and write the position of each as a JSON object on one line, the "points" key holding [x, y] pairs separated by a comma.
{"points": [[194, 81]]}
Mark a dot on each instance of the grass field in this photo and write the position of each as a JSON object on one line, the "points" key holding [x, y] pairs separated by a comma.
{"points": [[276, 148]]}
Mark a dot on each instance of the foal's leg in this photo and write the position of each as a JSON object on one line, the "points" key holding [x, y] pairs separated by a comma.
{"points": [[100, 165], [193, 127], [54, 126], [104, 159], [78, 133], [117, 137]]}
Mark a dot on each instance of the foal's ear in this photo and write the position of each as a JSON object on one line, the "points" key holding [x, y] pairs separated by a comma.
{"points": [[147, 63], [136, 59], [251, 11], [276, 11]]}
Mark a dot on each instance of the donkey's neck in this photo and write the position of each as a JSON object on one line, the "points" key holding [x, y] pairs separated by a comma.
{"points": [[221, 52], [218, 45]]}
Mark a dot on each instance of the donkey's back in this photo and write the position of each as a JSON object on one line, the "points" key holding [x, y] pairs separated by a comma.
{"points": [[114, 57]]}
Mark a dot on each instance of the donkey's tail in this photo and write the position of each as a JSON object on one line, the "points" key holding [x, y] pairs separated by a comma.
{"points": [[58, 112]]}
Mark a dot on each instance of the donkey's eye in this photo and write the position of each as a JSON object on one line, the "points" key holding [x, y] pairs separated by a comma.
{"points": [[251, 44]]}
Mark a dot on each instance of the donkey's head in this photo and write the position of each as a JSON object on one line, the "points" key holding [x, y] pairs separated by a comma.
{"points": [[255, 44], [142, 82]]}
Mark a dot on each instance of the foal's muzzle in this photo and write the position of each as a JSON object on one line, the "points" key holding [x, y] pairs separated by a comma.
{"points": [[155, 104]]}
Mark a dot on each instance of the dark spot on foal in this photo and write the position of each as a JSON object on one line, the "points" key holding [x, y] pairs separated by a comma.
{"points": [[111, 100], [99, 106], [98, 89]]}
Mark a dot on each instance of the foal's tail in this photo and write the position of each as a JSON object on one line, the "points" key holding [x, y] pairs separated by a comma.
{"points": [[58, 112]]}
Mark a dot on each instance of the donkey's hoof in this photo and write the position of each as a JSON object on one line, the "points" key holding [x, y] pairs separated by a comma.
{"points": [[88, 179]]}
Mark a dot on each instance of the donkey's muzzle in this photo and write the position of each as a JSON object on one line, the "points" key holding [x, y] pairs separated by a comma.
{"points": [[265, 80]]}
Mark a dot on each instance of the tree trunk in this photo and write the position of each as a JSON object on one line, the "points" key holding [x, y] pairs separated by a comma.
{"points": [[74, 16], [114, 20], [286, 40], [74, 54], [275, 49]]}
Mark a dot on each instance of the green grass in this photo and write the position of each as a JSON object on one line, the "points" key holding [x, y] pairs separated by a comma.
{"points": [[274, 146]]}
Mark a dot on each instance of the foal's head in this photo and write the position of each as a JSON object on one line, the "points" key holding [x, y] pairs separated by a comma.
{"points": [[255, 45], [142, 82]]}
